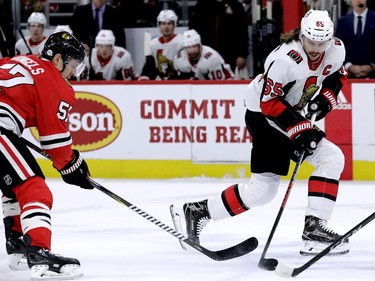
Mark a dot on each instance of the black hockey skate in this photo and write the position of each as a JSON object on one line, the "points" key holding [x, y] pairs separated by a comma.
{"points": [[316, 236], [196, 217], [45, 265], [16, 249]]}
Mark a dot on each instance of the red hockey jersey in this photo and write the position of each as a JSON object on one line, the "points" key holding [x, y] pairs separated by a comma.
{"points": [[33, 93]]}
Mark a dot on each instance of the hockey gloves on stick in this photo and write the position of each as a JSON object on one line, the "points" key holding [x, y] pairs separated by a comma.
{"points": [[305, 136], [76, 172], [321, 105]]}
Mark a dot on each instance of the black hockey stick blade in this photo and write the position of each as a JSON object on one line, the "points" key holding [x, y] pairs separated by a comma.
{"points": [[235, 251], [286, 271]]}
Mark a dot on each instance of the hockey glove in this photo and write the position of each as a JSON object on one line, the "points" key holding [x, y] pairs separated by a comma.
{"points": [[321, 105], [305, 137], [76, 172]]}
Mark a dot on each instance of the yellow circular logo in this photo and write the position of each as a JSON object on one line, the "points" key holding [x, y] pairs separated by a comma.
{"points": [[94, 122]]}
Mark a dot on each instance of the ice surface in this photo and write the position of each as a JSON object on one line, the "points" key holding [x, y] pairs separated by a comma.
{"points": [[114, 243]]}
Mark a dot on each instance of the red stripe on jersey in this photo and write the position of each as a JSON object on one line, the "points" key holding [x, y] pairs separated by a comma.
{"points": [[273, 107], [232, 201], [323, 186], [20, 166]]}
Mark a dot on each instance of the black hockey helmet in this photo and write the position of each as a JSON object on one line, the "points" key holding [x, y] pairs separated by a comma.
{"points": [[65, 44]]}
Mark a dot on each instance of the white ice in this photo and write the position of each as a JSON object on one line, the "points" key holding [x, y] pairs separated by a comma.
{"points": [[114, 243]]}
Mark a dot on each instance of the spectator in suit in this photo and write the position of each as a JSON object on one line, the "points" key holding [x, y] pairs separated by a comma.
{"points": [[357, 31], [96, 15], [222, 26]]}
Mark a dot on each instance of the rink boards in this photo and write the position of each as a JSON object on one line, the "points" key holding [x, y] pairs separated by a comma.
{"points": [[194, 129]]}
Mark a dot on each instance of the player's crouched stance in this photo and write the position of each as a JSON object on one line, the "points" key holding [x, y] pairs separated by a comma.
{"points": [[34, 91], [310, 59]]}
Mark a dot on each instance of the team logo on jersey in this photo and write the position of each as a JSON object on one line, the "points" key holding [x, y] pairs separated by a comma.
{"points": [[309, 90], [294, 55], [165, 66], [94, 122]]}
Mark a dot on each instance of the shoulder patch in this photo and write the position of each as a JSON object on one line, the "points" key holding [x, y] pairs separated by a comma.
{"points": [[294, 55], [207, 55], [337, 41], [120, 54]]}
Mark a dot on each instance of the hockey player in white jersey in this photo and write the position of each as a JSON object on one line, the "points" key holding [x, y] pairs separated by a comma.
{"points": [[107, 61], [304, 73], [159, 63], [197, 61], [34, 43]]}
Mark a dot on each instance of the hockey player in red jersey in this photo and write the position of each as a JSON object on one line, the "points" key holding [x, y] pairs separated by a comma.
{"points": [[35, 92], [302, 76]]}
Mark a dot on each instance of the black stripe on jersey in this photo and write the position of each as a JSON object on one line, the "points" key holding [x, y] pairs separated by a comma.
{"points": [[39, 214], [12, 117], [265, 80], [55, 141]]}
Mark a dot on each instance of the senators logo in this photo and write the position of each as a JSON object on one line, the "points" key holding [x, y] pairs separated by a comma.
{"points": [[94, 122], [320, 24], [309, 91]]}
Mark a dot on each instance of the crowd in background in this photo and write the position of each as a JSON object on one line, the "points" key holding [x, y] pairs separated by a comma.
{"points": [[225, 26]]}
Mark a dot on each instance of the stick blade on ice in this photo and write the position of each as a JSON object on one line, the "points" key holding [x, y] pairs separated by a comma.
{"points": [[284, 270]]}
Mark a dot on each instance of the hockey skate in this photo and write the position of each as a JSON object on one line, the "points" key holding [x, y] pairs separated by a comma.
{"points": [[195, 216], [16, 250], [47, 266], [317, 236]]}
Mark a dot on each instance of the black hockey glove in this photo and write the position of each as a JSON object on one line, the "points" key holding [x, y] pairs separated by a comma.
{"points": [[76, 172], [305, 137], [321, 105]]}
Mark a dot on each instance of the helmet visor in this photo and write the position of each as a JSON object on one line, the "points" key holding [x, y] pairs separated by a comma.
{"points": [[74, 66]]}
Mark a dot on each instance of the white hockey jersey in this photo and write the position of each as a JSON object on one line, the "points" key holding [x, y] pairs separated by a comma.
{"points": [[210, 66], [36, 48], [119, 66], [290, 77], [164, 53]]}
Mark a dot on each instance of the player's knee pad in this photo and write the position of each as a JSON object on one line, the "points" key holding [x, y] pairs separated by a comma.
{"points": [[260, 189], [329, 161]]}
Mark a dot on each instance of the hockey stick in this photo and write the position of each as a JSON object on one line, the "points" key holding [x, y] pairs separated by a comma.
{"points": [[271, 263], [286, 271], [147, 44], [235, 251], [24, 40]]}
